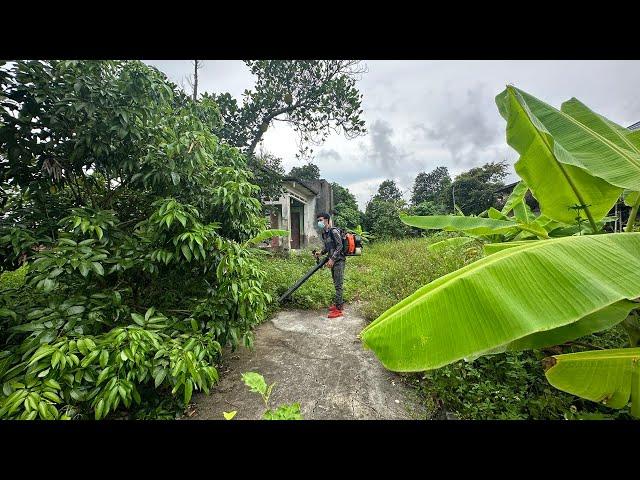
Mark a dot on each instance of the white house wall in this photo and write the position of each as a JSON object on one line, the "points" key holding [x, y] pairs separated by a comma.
{"points": [[303, 195]]}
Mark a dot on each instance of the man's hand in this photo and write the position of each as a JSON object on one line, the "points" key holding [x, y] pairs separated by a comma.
{"points": [[330, 263]]}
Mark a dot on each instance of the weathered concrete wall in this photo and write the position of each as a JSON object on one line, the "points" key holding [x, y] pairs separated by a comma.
{"points": [[324, 199]]}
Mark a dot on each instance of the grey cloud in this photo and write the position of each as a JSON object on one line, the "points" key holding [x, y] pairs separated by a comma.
{"points": [[466, 128], [382, 151]]}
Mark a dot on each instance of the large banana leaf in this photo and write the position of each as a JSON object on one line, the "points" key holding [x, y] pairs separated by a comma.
{"points": [[516, 197], [491, 248], [595, 322], [630, 197], [547, 164], [504, 297], [474, 225], [598, 145], [611, 377]]}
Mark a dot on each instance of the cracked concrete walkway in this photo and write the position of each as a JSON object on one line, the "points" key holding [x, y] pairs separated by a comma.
{"points": [[319, 363]]}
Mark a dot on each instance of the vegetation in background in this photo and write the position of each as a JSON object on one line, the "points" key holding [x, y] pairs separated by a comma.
{"points": [[347, 214], [309, 171]]}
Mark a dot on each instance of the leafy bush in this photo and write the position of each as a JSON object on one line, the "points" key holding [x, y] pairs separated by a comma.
{"points": [[512, 386], [134, 219]]}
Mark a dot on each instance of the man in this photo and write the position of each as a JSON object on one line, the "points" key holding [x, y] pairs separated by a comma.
{"points": [[337, 259]]}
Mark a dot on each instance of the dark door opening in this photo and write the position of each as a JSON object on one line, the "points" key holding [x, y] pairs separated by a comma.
{"points": [[295, 230]]}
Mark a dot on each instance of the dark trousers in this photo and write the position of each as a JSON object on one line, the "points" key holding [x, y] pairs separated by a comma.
{"points": [[337, 273]]}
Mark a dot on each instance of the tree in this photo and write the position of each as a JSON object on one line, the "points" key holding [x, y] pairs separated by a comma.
{"points": [[475, 189], [431, 187], [427, 208], [542, 293], [388, 191], [382, 213], [309, 171], [343, 195], [268, 173], [197, 65], [315, 97], [382, 218], [347, 214]]}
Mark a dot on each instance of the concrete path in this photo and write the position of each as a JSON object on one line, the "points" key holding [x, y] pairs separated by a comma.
{"points": [[319, 363]]}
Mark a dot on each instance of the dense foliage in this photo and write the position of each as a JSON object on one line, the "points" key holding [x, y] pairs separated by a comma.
{"points": [[475, 190], [309, 171], [346, 211], [382, 213], [431, 187], [133, 219]]}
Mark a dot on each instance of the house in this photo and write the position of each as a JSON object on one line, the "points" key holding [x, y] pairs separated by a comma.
{"points": [[296, 211]]}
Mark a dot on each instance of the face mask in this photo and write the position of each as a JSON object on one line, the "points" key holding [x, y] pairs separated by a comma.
{"points": [[320, 224]]}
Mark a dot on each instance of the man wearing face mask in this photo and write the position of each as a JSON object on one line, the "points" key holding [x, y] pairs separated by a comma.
{"points": [[333, 246]]}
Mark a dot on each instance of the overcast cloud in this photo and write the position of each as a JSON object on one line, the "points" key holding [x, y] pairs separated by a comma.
{"points": [[422, 114]]}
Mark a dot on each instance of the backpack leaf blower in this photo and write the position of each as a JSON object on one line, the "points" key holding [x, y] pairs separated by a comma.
{"points": [[352, 247], [319, 265]]}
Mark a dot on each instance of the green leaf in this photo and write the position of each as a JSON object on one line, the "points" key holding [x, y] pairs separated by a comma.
{"points": [[517, 197], [267, 234], [491, 248], [188, 391], [504, 297], [595, 322], [52, 396], [473, 225], [547, 148], [104, 358], [175, 178], [597, 144], [610, 377], [255, 382], [159, 377], [99, 409], [84, 269], [139, 319], [97, 267], [630, 198], [229, 415], [186, 252]]}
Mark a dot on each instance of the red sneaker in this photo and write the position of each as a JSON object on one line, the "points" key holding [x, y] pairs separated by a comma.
{"points": [[335, 313], [332, 307]]}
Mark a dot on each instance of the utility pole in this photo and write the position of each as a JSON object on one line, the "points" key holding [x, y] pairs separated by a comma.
{"points": [[195, 80]]}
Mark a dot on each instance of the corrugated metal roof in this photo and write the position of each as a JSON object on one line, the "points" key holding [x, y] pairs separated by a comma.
{"points": [[635, 126]]}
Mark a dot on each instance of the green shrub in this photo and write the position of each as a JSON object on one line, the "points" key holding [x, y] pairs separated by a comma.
{"points": [[138, 269], [13, 278]]}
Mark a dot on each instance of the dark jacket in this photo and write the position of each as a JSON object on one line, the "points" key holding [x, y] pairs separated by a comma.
{"points": [[333, 244]]}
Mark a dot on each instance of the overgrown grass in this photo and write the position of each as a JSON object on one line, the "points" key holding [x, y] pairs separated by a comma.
{"points": [[504, 386]]}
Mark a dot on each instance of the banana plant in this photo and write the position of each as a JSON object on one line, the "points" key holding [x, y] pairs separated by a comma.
{"points": [[540, 286]]}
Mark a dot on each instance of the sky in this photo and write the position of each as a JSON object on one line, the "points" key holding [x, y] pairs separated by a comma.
{"points": [[423, 114]]}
